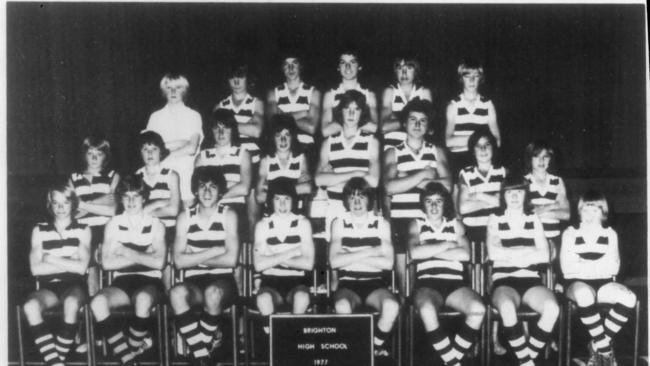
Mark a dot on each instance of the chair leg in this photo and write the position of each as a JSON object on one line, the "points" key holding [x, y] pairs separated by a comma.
{"points": [[166, 340], [21, 348], [637, 314], [488, 340], [246, 338], [159, 335], [560, 331], [411, 335], [90, 340], [568, 333], [235, 340]]}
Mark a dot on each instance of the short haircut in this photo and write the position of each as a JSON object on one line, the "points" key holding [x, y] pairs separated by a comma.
{"points": [[346, 99], [153, 138], [288, 55], [280, 122], [174, 77], [476, 136], [409, 61], [468, 65], [132, 183], [241, 70], [69, 193], [418, 105], [535, 148], [209, 174], [433, 188], [513, 182], [224, 117], [99, 143], [350, 51], [594, 198], [282, 186], [360, 186]]}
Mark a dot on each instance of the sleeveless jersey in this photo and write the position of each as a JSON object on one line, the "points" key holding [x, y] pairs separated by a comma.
{"points": [[281, 240], [476, 183], [159, 189], [139, 239], [433, 267], [469, 118], [344, 157], [354, 239], [243, 114], [591, 248], [201, 237], [407, 204], [229, 164], [275, 170], [510, 238], [300, 102], [99, 185], [60, 244], [546, 194], [398, 103]]}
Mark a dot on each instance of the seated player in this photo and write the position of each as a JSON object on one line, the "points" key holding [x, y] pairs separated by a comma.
{"points": [[589, 258], [406, 89], [59, 257], [408, 168], [438, 246], [284, 158], [349, 67], [516, 245], [362, 252], [468, 113], [134, 249], [299, 100], [207, 248], [95, 186], [284, 251]]}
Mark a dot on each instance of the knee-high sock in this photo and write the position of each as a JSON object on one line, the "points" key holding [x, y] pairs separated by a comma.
{"points": [[46, 344], [617, 316], [138, 331], [65, 339], [590, 317], [517, 341], [188, 326], [208, 324], [440, 341], [465, 339], [112, 330], [537, 340]]}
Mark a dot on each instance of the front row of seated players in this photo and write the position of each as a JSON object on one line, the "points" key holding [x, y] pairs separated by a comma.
{"points": [[207, 247]]}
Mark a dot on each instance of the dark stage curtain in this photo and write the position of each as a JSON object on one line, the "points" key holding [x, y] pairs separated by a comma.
{"points": [[574, 74]]}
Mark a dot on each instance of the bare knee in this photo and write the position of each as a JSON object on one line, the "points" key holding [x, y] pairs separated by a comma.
{"points": [[99, 306], [551, 308], [143, 302], [582, 294], [32, 310], [390, 308], [265, 303], [476, 309], [300, 302], [213, 296], [178, 296], [343, 306], [71, 304]]}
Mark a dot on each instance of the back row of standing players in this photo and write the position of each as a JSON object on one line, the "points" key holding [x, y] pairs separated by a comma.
{"points": [[350, 155]]}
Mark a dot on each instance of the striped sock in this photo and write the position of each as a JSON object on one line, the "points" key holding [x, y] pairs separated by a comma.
{"points": [[46, 344], [590, 317], [116, 339], [517, 341], [617, 316], [441, 343], [464, 340], [188, 327], [208, 324], [537, 340], [65, 339], [138, 332]]}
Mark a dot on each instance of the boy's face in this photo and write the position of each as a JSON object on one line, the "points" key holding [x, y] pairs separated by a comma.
{"points": [[349, 67]]}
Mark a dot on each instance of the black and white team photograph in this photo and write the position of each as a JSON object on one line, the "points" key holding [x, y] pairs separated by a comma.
{"points": [[325, 184]]}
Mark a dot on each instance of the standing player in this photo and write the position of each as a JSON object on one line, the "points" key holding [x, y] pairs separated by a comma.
{"points": [[409, 167], [181, 129], [298, 99], [95, 187], [285, 158], [362, 252], [59, 257], [134, 249], [547, 192], [349, 67], [407, 88], [516, 245], [207, 248], [438, 247], [352, 152], [590, 260], [467, 113], [284, 251]]}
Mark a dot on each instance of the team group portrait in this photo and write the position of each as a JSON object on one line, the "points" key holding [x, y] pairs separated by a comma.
{"points": [[472, 176]]}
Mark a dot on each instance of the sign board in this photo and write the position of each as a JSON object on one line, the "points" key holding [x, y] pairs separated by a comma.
{"points": [[321, 340]]}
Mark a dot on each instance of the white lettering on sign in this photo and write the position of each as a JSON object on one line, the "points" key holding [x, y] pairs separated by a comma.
{"points": [[333, 346], [319, 330], [306, 346]]}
